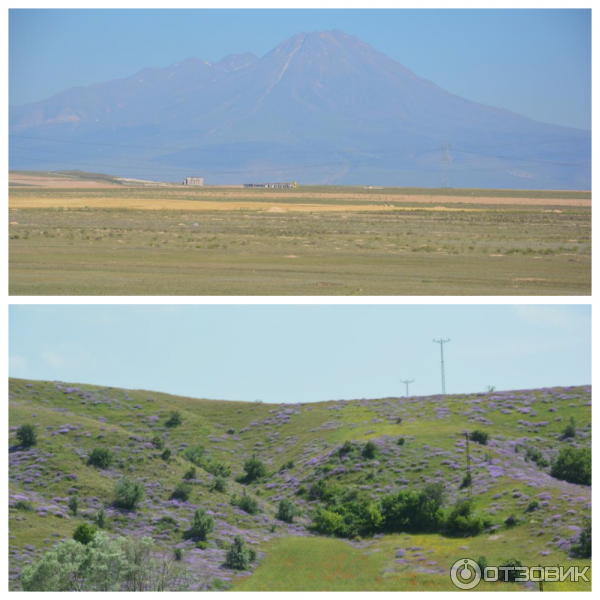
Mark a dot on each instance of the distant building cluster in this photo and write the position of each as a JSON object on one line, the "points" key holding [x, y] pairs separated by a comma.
{"points": [[271, 185], [197, 181]]}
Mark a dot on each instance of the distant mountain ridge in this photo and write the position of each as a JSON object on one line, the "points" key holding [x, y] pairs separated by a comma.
{"points": [[321, 107]]}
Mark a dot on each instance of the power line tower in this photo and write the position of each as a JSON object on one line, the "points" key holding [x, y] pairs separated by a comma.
{"points": [[406, 381], [445, 174], [441, 343]]}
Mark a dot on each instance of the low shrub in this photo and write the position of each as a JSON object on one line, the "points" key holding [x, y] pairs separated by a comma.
{"points": [[466, 482], [102, 458], [535, 455], [128, 493], [158, 442], [218, 484], [166, 454], [74, 505], [570, 431], [369, 450], [400, 441], [481, 437], [513, 574], [100, 518], [255, 469], [178, 554], [174, 419], [246, 503], [195, 454], [511, 521], [462, 522], [190, 473], [181, 492], [23, 505], [532, 506], [583, 547]]}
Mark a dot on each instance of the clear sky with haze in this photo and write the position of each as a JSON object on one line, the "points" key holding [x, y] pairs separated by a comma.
{"points": [[533, 62], [302, 353]]}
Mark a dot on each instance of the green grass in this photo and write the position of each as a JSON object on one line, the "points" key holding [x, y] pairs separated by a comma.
{"points": [[309, 436], [498, 250]]}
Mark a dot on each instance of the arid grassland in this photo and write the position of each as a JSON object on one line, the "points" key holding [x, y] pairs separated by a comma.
{"points": [[309, 241], [238, 463]]}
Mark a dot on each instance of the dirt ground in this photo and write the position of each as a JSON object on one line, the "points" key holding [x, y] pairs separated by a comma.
{"points": [[56, 181]]}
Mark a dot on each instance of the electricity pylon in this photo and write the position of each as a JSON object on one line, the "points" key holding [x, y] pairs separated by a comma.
{"points": [[441, 343], [406, 381]]}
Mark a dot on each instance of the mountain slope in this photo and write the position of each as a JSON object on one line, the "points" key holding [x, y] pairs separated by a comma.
{"points": [[322, 107], [300, 444]]}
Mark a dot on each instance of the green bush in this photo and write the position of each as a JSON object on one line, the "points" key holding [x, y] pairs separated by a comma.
{"points": [[174, 419], [461, 521], [100, 519], [102, 458], [216, 468], [84, 533], [512, 575], [128, 493], [414, 511], [481, 437], [166, 454], [346, 448], [27, 435], [369, 450], [181, 492], [190, 473], [246, 503], [286, 511], [255, 469], [466, 482], [178, 554], [573, 465], [23, 505], [158, 442], [202, 525], [239, 556], [401, 441], [535, 455], [532, 506], [74, 505], [218, 484], [195, 454], [583, 548], [570, 431], [327, 522]]}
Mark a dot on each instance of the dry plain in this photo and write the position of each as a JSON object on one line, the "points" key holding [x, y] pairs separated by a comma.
{"points": [[115, 239]]}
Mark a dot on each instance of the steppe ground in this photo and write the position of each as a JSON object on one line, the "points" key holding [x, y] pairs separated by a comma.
{"points": [[92, 236]]}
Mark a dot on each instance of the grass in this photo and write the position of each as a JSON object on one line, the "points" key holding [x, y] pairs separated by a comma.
{"points": [[72, 420], [231, 243]]}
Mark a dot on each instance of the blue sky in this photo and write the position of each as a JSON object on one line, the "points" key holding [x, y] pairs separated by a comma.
{"points": [[534, 62], [302, 353]]}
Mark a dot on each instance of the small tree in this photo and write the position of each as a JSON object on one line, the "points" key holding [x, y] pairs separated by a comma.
{"points": [[74, 505], [129, 493], [246, 503], [100, 519], [174, 419], [570, 431], [102, 458], [85, 533], [27, 435], [573, 465], [239, 556], [158, 442], [255, 469], [286, 511], [218, 484], [202, 525], [369, 450]]}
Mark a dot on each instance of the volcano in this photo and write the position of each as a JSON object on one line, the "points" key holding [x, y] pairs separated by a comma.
{"points": [[320, 108]]}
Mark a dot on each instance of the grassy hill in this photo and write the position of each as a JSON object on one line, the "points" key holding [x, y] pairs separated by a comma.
{"points": [[300, 444]]}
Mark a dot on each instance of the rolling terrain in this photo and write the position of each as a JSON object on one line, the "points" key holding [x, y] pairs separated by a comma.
{"points": [[320, 108], [329, 240], [303, 447]]}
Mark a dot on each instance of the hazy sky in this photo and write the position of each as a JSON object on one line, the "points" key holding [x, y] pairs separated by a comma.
{"points": [[301, 353], [534, 62]]}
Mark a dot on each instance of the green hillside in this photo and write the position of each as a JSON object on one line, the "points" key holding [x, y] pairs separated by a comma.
{"points": [[302, 446]]}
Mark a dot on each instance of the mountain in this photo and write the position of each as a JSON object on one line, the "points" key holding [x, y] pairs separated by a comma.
{"points": [[322, 107], [332, 456]]}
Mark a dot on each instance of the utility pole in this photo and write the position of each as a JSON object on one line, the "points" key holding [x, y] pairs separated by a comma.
{"points": [[406, 381], [445, 175], [441, 343]]}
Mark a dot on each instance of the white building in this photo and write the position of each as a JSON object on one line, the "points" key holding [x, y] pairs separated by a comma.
{"points": [[197, 181]]}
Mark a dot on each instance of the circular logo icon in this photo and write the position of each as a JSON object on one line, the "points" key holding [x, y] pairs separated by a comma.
{"points": [[465, 573]]}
